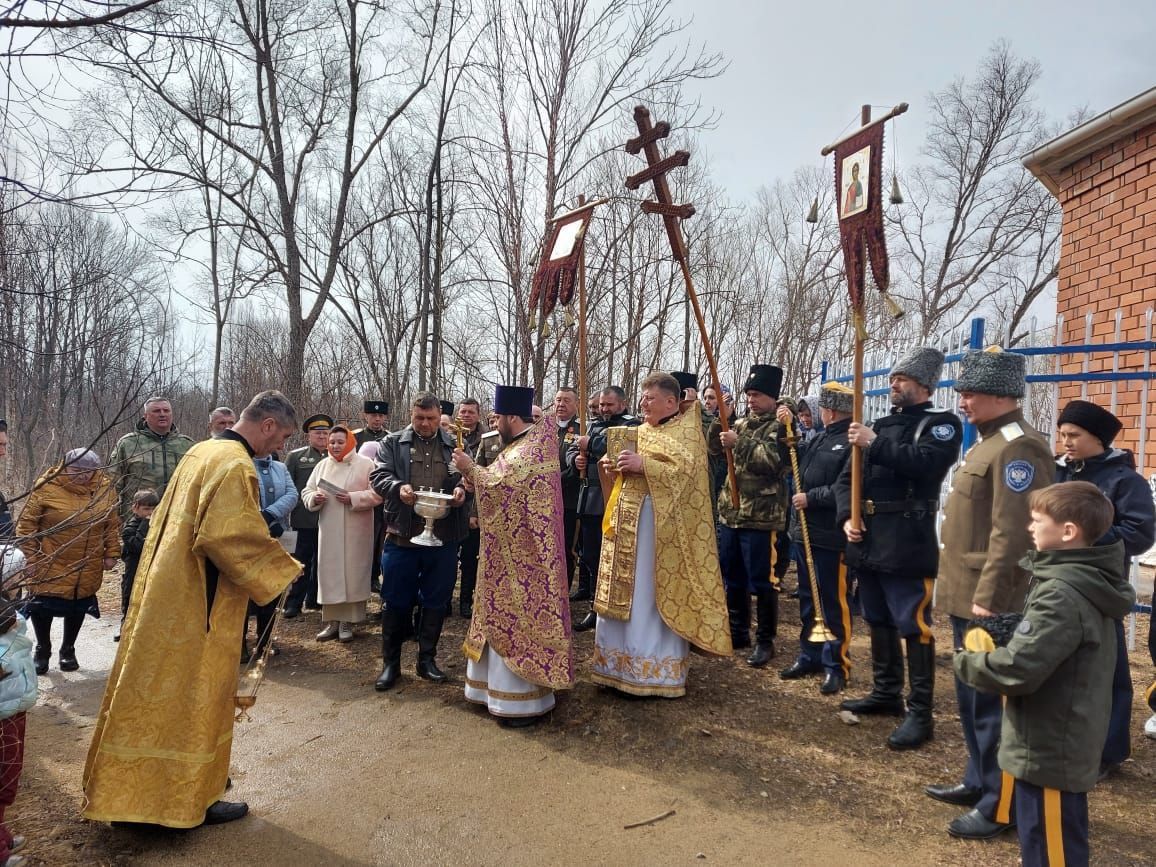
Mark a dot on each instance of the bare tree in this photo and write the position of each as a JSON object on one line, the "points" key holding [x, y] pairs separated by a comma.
{"points": [[303, 95], [975, 217]]}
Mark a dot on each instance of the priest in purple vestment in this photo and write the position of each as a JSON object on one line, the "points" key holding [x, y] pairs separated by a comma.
{"points": [[519, 645]]}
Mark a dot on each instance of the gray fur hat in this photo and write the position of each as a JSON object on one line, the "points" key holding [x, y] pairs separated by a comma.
{"points": [[924, 364], [836, 396], [994, 372]]}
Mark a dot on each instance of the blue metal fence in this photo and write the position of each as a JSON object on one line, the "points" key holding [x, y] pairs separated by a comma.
{"points": [[1045, 357]]}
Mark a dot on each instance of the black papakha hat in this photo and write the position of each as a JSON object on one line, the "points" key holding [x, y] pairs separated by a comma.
{"points": [[447, 408], [1093, 418], [320, 421], [514, 400], [765, 378], [685, 379], [381, 406]]}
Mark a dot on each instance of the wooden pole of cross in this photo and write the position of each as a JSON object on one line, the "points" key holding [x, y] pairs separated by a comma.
{"points": [[672, 216]]}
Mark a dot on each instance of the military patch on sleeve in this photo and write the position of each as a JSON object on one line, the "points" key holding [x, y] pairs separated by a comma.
{"points": [[1025, 627], [1019, 475], [944, 432]]}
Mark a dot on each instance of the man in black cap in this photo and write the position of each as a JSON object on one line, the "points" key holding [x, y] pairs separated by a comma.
{"points": [[376, 414], [1086, 432], [420, 456], [447, 420], [301, 463], [985, 536], [746, 534], [582, 458], [894, 553]]}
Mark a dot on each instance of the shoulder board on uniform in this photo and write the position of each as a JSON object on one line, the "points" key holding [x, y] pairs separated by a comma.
{"points": [[490, 434], [1012, 431]]}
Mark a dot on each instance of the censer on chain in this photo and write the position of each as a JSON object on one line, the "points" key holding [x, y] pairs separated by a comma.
{"points": [[253, 675]]}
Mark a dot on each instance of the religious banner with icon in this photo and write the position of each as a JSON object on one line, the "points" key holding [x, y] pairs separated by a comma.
{"points": [[556, 277], [858, 191]]}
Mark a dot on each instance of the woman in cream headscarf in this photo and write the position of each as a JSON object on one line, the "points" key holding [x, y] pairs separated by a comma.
{"points": [[345, 534], [70, 534]]}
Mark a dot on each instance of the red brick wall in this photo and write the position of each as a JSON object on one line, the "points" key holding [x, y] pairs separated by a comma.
{"points": [[1108, 268]]}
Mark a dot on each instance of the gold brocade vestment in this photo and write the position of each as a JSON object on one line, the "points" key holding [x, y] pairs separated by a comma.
{"points": [[160, 752], [688, 583]]}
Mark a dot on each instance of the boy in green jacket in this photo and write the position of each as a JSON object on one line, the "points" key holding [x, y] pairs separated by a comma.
{"points": [[1056, 670]]}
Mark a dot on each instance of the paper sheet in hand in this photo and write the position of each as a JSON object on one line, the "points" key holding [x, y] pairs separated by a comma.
{"points": [[330, 488]]}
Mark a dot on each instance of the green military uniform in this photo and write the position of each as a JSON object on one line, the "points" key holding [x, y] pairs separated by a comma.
{"points": [[746, 533], [145, 459]]}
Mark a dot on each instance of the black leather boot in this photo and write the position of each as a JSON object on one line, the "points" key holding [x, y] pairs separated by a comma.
{"points": [[767, 607], [919, 726], [586, 623], [41, 657], [393, 623], [739, 612], [429, 631], [68, 659], [886, 695]]}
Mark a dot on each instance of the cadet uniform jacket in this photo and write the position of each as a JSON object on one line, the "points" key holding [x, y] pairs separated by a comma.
{"points": [[821, 462], [904, 467], [300, 464], [760, 467], [985, 521]]}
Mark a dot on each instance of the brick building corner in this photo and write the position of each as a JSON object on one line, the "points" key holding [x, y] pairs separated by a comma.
{"points": [[1103, 173]]}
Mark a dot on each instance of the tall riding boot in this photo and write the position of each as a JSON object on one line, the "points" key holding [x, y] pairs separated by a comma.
{"points": [[919, 726], [393, 623], [767, 607], [429, 631], [886, 695], [739, 611]]}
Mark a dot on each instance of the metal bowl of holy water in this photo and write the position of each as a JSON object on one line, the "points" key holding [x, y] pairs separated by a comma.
{"points": [[431, 505]]}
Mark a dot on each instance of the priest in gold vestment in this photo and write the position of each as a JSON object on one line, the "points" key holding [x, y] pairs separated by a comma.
{"points": [[519, 645], [659, 585], [160, 752]]}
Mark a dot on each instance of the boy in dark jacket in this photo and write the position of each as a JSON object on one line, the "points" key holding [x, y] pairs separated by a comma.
{"points": [[1086, 432], [1056, 670], [132, 539]]}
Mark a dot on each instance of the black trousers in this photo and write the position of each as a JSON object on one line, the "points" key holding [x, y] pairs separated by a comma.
{"points": [[468, 564], [264, 615], [589, 551], [304, 590], [570, 517], [42, 626], [1052, 826], [981, 715]]}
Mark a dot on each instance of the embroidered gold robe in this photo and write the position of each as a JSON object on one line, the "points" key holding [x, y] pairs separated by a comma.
{"points": [[160, 752], [521, 604], [688, 583]]}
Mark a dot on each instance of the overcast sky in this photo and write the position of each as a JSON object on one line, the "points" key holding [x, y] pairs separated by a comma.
{"points": [[799, 70]]}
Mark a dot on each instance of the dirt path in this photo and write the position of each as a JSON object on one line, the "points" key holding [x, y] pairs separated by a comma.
{"points": [[757, 771]]}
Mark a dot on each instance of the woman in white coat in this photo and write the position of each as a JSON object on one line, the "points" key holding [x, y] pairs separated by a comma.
{"points": [[345, 534]]}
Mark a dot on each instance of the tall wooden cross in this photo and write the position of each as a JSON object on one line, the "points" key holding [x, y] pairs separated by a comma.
{"points": [[672, 216]]}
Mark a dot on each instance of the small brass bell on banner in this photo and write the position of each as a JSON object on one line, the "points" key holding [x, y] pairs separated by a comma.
{"points": [[813, 214], [896, 196]]}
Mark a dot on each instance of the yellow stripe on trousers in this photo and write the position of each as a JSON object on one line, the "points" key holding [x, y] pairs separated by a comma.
{"points": [[1053, 828], [845, 616], [1007, 786], [774, 558], [925, 636]]}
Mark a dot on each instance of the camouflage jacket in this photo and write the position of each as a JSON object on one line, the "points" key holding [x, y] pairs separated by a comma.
{"points": [[760, 468], [145, 459]]}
